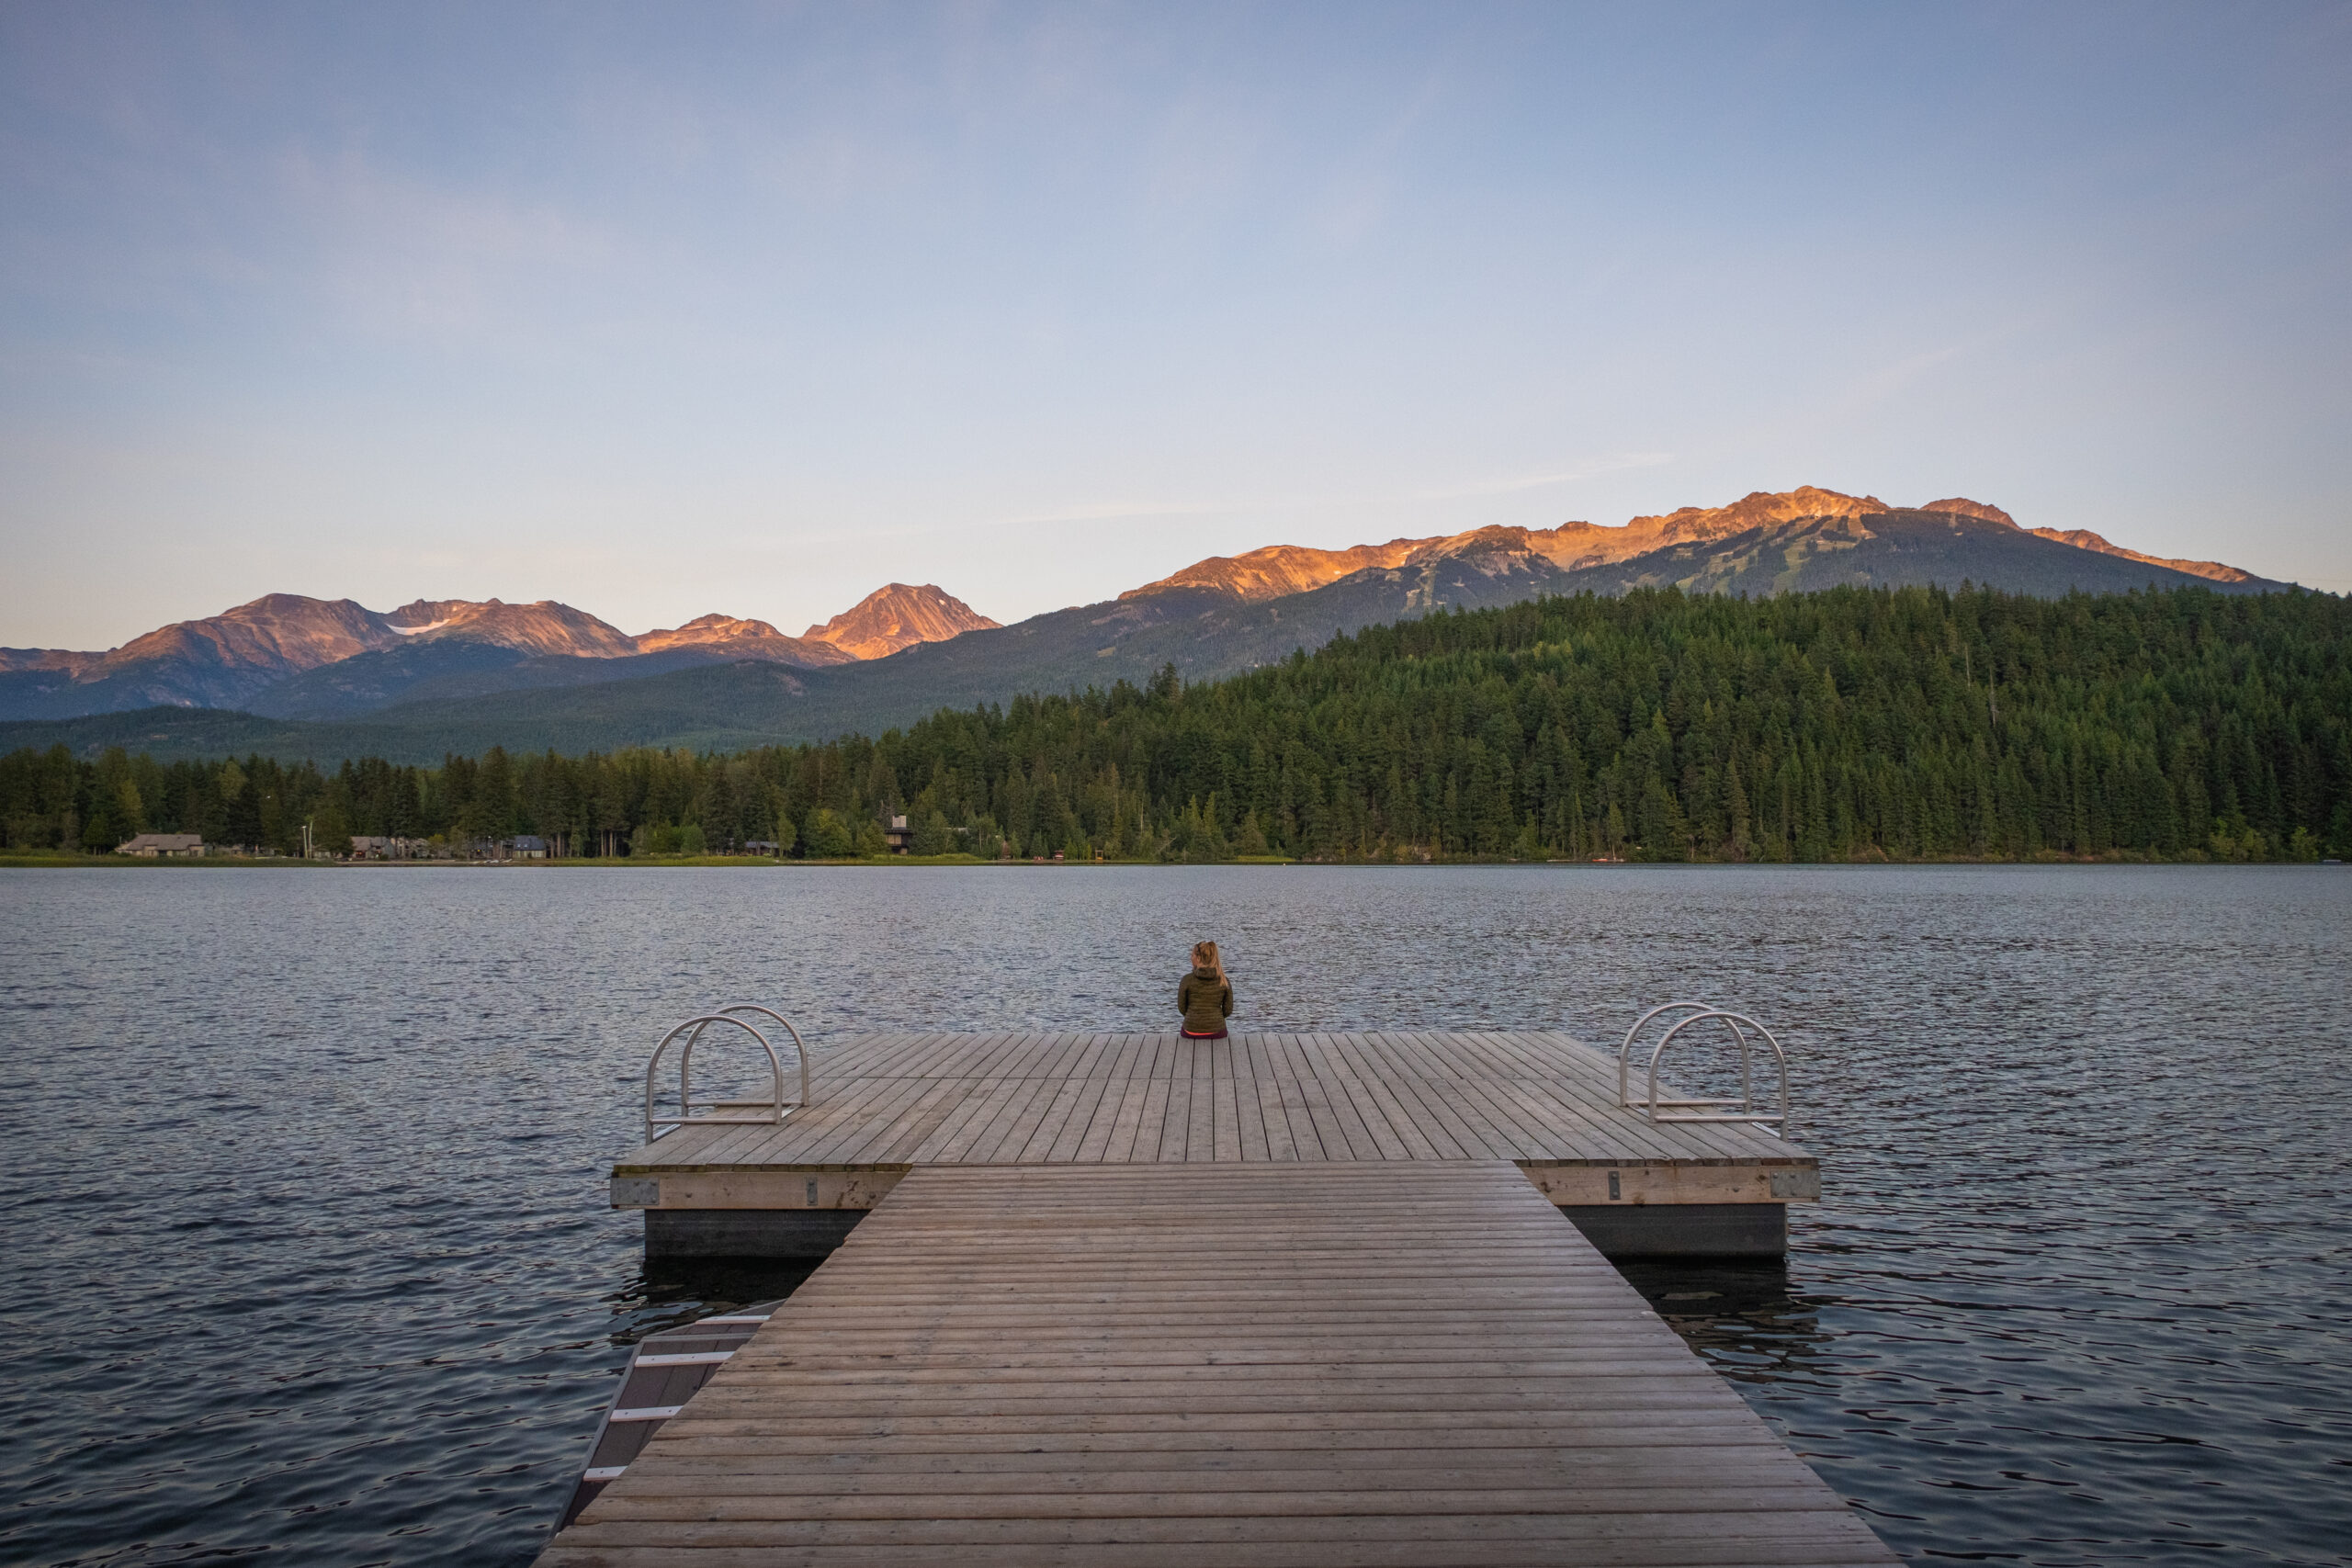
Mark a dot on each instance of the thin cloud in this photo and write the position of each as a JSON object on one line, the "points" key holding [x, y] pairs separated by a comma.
{"points": [[1517, 484], [407, 254]]}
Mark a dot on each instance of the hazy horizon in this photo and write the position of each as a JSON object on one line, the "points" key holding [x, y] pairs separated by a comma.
{"points": [[754, 309]]}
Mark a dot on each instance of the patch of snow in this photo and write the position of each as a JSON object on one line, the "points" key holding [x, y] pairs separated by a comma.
{"points": [[413, 631]]}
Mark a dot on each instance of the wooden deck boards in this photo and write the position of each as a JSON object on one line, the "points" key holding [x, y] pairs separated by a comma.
{"points": [[1373, 1361], [1030, 1098]]}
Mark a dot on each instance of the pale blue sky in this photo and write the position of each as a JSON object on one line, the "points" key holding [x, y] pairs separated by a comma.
{"points": [[663, 310]]}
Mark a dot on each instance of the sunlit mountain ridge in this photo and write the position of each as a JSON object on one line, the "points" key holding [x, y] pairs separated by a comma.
{"points": [[288, 655]]}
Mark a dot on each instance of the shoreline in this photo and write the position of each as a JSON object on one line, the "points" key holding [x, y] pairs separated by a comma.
{"points": [[747, 863]]}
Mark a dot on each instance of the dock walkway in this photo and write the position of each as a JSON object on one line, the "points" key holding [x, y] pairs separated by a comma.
{"points": [[1375, 1360]]}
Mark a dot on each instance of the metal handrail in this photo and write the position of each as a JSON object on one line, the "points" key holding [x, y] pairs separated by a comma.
{"points": [[657, 1126], [799, 1048], [1624, 1051], [1747, 1113]]}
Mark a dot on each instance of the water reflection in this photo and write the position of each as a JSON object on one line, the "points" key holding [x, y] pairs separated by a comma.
{"points": [[1744, 1316], [670, 1291]]}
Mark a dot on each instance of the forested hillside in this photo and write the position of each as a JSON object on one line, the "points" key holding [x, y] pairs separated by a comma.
{"points": [[1907, 723]]}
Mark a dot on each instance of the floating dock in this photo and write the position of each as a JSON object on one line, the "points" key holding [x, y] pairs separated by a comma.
{"points": [[887, 1104], [1285, 1301], [1255, 1362]]}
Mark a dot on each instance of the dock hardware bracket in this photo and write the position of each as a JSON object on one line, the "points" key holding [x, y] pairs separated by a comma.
{"points": [[769, 1111], [1666, 1107]]}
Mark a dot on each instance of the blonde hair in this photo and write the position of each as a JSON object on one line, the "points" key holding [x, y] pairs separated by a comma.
{"points": [[1205, 957]]}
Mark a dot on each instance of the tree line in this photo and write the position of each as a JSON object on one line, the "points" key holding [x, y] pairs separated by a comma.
{"points": [[1851, 724]]}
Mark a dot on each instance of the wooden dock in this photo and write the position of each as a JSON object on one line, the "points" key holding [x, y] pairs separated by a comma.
{"points": [[889, 1103], [1171, 1363]]}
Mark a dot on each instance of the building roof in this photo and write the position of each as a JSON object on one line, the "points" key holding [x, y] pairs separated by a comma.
{"points": [[163, 841]]}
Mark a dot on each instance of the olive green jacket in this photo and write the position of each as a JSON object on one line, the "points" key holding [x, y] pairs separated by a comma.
{"points": [[1204, 1000]]}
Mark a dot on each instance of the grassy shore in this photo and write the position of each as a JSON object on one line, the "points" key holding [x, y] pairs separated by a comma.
{"points": [[50, 860], [56, 860]]}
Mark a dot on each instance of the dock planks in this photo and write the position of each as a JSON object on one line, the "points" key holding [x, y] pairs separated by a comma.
{"points": [[1026, 1099], [1362, 1363]]}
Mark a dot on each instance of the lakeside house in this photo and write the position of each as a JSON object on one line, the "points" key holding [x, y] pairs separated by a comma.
{"points": [[899, 835], [530, 846], [163, 846], [366, 846]]}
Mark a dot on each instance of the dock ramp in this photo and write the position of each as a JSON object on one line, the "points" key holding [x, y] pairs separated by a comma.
{"points": [[1391, 1362]]}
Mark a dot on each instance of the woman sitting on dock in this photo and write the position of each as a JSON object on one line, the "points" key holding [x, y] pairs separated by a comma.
{"points": [[1204, 997]]}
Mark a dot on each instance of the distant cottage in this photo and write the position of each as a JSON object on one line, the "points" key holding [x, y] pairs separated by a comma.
{"points": [[366, 846], [530, 846], [899, 835], [163, 846]]}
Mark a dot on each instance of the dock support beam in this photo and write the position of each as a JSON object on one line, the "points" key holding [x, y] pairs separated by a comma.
{"points": [[747, 1232], [1619, 1231]]}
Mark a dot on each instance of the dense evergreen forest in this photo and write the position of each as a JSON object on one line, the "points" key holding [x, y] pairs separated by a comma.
{"points": [[1849, 724]]}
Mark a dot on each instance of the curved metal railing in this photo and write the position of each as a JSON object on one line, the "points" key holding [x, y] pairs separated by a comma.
{"points": [[1691, 1110], [1624, 1051], [800, 1050], [721, 1112], [1742, 1109]]}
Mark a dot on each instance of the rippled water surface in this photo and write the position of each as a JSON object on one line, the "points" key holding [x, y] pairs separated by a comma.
{"points": [[307, 1256]]}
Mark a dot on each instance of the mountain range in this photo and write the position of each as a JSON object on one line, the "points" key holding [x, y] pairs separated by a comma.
{"points": [[285, 656], [299, 677]]}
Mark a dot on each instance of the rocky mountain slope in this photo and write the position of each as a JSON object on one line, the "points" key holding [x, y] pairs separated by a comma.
{"points": [[894, 616], [273, 636], [2084, 539], [744, 639], [1278, 570]]}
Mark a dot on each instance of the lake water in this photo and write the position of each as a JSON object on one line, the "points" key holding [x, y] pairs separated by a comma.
{"points": [[307, 1256]]}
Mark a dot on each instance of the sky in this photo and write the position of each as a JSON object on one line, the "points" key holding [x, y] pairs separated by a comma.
{"points": [[660, 311]]}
